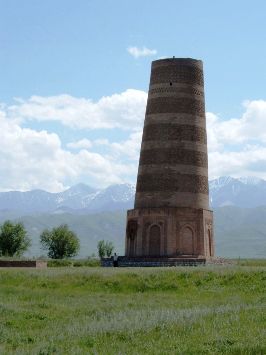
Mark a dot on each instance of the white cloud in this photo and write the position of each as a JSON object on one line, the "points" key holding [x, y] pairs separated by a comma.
{"points": [[251, 161], [125, 110], [237, 147], [31, 159], [36, 159], [141, 52], [82, 143], [101, 141], [251, 126], [129, 148]]}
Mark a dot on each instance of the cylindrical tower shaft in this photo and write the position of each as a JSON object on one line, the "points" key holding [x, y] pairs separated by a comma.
{"points": [[171, 218], [173, 165]]}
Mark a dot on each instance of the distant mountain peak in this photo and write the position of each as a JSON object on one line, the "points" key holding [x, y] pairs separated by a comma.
{"points": [[117, 193], [81, 198], [250, 180], [242, 191], [220, 182], [80, 187]]}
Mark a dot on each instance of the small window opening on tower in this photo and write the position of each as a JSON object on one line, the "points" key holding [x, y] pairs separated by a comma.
{"points": [[171, 83]]}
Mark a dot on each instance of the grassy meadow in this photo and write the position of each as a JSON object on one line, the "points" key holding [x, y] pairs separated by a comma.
{"points": [[85, 310]]}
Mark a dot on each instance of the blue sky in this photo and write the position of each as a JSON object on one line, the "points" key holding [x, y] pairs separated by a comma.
{"points": [[73, 93]]}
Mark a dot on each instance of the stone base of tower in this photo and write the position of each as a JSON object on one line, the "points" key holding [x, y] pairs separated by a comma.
{"points": [[142, 261], [176, 232]]}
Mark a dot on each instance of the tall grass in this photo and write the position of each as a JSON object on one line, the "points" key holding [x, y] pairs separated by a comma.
{"points": [[208, 310]]}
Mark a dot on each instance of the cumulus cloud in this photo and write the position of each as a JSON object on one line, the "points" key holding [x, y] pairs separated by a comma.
{"points": [[37, 159], [129, 148], [237, 146], [251, 161], [27, 158], [32, 159], [251, 126], [82, 143], [101, 141], [137, 52], [125, 110]]}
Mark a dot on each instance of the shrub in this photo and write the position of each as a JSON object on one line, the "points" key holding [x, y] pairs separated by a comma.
{"points": [[59, 262], [75, 263], [89, 262]]}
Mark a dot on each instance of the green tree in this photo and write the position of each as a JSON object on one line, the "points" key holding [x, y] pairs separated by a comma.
{"points": [[109, 248], [101, 248], [60, 242], [105, 248], [13, 239]]}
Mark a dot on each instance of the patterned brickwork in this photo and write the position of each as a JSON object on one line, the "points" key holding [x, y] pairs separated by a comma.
{"points": [[177, 62], [183, 232], [168, 132], [173, 119], [177, 90], [172, 182], [160, 199], [171, 216], [175, 105], [184, 74], [190, 145], [173, 156], [173, 169]]}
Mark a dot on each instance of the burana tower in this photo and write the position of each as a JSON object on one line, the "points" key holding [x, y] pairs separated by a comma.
{"points": [[171, 216]]}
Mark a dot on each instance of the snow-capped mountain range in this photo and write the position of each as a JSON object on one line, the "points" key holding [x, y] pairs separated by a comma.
{"points": [[242, 192], [81, 198]]}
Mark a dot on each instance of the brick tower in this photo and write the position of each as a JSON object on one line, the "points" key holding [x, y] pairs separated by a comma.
{"points": [[171, 216]]}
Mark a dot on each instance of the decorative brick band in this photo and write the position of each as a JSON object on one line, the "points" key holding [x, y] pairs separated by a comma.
{"points": [[172, 104], [177, 61], [175, 145], [175, 169], [172, 89], [173, 156], [162, 199], [178, 132], [186, 74], [172, 119], [172, 182]]}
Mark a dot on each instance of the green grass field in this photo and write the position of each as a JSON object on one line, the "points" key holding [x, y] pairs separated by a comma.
{"points": [[206, 310]]}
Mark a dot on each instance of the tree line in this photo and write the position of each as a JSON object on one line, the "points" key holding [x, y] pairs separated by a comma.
{"points": [[59, 242]]}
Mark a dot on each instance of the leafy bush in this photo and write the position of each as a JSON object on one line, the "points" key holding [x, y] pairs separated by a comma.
{"points": [[88, 262], [59, 263], [13, 239], [75, 263]]}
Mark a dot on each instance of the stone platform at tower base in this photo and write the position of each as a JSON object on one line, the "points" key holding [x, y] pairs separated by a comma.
{"points": [[169, 232], [124, 261]]}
